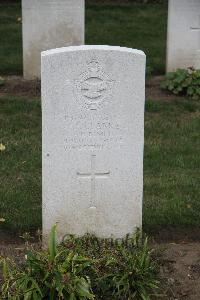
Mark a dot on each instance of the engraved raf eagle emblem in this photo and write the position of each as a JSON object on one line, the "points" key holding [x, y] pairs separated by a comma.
{"points": [[93, 87]]}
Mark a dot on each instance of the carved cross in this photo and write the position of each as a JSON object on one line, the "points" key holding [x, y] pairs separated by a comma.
{"points": [[92, 175]]}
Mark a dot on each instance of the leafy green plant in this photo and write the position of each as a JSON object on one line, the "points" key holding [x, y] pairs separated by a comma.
{"points": [[123, 269], [53, 274], [183, 82], [83, 268], [135, 278]]}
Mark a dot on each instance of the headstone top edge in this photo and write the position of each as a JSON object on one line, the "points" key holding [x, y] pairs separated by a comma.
{"points": [[91, 47]]}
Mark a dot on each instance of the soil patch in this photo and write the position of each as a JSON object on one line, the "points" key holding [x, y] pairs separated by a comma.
{"points": [[154, 91], [17, 86], [180, 270], [178, 235]]}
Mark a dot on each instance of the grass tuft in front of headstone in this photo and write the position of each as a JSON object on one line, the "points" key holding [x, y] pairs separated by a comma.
{"points": [[83, 268]]}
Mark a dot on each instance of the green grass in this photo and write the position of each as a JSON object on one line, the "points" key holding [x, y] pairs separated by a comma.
{"points": [[171, 164], [137, 26], [20, 163], [10, 39]]}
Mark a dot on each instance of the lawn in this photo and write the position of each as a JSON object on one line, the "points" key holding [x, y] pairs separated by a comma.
{"points": [[137, 26], [171, 164]]}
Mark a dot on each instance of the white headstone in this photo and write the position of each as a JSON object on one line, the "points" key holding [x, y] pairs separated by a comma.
{"points": [[93, 127], [49, 24], [197, 60], [183, 33]]}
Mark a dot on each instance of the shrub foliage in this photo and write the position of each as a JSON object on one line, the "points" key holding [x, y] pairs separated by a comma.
{"points": [[83, 268], [183, 82]]}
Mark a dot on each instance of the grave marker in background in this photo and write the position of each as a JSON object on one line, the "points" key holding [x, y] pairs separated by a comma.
{"points": [[183, 33], [49, 24], [93, 137]]}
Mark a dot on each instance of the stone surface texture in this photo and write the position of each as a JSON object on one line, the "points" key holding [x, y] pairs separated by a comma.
{"points": [[197, 60], [49, 24], [93, 137], [183, 33]]}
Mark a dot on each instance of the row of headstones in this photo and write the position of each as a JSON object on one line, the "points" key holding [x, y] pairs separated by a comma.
{"points": [[49, 24], [92, 123]]}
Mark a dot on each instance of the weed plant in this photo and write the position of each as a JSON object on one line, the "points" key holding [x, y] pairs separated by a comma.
{"points": [[184, 82], [83, 268]]}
